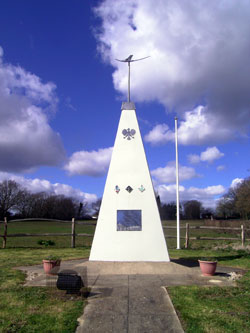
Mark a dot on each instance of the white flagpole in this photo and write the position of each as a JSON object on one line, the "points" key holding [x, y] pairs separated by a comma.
{"points": [[177, 187]]}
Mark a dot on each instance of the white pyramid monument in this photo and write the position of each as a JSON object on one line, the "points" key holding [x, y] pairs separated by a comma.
{"points": [[129, 226]]}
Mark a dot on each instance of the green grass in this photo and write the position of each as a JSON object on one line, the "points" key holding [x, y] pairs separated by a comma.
{"points": [[65, 241], [198, 244], [36, 309], [226, 257], [214, 309], [36, 227]]}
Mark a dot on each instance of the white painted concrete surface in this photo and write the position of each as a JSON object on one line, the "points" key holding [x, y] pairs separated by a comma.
{"points": [[128, 167]]}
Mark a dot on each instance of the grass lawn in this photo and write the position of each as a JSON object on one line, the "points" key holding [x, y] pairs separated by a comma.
{"points": [[214, 309], [65, 241], [36, 309], [36, 227], [198, 244]]}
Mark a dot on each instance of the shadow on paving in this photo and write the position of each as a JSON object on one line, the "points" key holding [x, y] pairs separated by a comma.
{"points": [[121, 300], [186, 262]]}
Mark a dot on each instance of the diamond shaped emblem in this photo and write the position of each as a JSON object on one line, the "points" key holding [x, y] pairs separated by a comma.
{"points": [[129, 189]]}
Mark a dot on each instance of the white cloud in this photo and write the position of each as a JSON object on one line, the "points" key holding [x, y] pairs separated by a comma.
{"points": [[91, 163], [198, 127], [220, 167], [210, 190], [21, 82], [204, 63], [209, 155], [236, 182], [168, 173], [206, 195], [160, 134], [27, 140], [42, 185], [193, 158]]}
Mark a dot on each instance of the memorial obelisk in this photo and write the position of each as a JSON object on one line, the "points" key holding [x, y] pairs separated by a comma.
{"points": [[129, 226]]}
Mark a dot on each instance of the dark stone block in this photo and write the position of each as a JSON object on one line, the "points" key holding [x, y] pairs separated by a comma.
{"points": [[70, 281]]}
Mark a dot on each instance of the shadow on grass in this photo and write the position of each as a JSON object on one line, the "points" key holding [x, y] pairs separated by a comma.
{"points": [[193, 261]]}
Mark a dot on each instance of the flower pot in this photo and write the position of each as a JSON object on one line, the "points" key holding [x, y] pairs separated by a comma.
{"points": [[208, 268], [51, 266]]}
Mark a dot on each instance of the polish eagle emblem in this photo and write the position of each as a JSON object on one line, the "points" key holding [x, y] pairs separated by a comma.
{"points": [[128, 133]]}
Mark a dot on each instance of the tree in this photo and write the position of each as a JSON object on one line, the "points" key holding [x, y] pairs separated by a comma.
{"points": [[96, 207], [236, 202], [242, 201], [226, 205], [192, 209], [37, 203], [66, 208], [47, 205], [10, 196], [81, 210], [59, 207], [15, 199], [168, 211], [24, 206], [207, 213], [159, 205]]}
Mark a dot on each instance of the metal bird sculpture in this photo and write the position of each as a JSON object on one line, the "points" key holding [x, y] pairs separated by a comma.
{"points": [[129, 60]]}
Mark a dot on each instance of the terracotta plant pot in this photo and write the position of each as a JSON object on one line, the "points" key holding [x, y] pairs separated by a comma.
{"points": [[51, 266], [208, 268]]}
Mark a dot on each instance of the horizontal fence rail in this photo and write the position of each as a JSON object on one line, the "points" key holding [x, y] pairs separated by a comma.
{"points": [[52, 220], [73, 234], [203, 227], [188, 238], [47, 234]]}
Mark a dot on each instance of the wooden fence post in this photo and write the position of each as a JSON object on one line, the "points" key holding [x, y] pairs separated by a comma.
{"points": [[242, 235], [5, 233], [187, 236], [73, 237]]}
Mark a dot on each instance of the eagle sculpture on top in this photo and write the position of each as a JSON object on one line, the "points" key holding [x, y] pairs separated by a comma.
{"points": [[129, 60]]}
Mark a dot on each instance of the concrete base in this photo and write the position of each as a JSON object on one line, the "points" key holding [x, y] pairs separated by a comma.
{"points": [[134, 267], [131, 296], [176, 272]]}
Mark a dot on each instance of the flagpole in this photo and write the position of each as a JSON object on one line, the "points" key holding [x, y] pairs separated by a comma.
{"points": [[177, 187], [129, 81]]}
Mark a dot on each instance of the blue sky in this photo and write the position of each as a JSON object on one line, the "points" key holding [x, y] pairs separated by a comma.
{"points": [[61, 91]]}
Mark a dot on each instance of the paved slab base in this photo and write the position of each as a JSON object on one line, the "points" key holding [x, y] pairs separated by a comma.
{"points": [[130, 296], [134, 303]]}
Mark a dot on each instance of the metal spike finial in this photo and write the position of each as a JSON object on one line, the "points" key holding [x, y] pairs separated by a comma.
{"points": [[129, 60]]}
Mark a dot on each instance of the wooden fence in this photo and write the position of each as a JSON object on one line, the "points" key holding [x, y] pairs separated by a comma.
{"points": [[73, 233], [187, 237]]}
